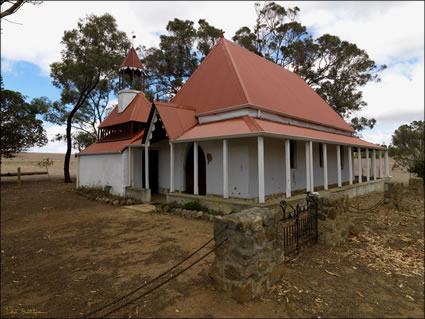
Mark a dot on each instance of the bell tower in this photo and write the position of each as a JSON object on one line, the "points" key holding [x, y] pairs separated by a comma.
{"points": [[130, 79]]}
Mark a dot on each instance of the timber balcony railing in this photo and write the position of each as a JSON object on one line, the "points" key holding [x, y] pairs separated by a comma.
{"points": [[118, 132]]}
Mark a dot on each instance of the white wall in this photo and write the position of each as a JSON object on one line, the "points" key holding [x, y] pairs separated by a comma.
{"points": [[163, 148], [243, 167], [105, 169]]}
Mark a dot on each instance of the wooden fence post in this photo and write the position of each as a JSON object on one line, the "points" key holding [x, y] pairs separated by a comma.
{"points": [[19, 176]]}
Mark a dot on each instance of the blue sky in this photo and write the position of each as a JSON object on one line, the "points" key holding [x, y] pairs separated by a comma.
{"points": [[391, 32]]}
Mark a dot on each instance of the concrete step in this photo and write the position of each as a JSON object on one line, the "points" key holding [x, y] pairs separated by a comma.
{"points": [[143, 208]]}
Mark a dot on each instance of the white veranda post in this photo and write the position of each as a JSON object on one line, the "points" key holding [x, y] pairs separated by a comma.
{"points": [[307, 166], [311, 166], [146, 166], [195, 169], [380, 164], [374, 163], [350, 166], [359, 160], [338, 164], [367, 166], [325, 166], [171, 167], [288, 168], [225, 171], [261, 169]]}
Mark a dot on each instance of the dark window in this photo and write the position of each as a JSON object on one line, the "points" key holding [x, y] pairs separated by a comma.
{"points": [[321, 155], [292, 153], [342, 157]]}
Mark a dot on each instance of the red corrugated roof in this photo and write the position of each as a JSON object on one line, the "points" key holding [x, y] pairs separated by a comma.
{"points": [[231, 76], [113, 146], [247, 125], [138, 111], [132, 60], [177, 119]]}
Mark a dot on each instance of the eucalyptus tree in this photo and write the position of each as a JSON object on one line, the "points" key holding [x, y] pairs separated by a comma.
{"points": [[91, 56], [336, 69], [20, 125]]}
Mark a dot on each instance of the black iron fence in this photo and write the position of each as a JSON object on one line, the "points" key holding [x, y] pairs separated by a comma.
{"points": [[298, 226]]}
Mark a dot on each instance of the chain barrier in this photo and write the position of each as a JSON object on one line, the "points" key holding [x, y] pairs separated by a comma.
{"points": [[163, 283], [158, 277], [366, 210]]}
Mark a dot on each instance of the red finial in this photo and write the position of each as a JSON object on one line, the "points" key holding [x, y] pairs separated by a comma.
{"points": [[222, 34]]}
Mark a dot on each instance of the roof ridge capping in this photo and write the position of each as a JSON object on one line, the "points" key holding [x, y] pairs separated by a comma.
{"points": [[175, 105], [198, 68], [235, 68]]}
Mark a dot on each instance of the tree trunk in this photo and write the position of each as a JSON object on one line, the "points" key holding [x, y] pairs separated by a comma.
{"points": [[68, 149]]}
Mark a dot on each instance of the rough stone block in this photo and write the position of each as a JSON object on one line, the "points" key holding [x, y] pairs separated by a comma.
{"points": [[263, 266], [257, 223], [242, 292], [277, 273], [332, 213], [259, 238], [260, 288]]}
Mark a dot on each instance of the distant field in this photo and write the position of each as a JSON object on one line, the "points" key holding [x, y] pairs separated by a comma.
{"points": [[28, 163]]}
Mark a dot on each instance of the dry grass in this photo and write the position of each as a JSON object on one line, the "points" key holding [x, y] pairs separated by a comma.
{"points": [[28, 163]]}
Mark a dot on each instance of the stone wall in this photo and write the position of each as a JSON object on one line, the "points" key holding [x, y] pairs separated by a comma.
{"points": [[251, 258], [393, 194], [333, 221]]}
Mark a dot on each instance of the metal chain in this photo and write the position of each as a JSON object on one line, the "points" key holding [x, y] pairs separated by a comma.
{"points": [[154, 279], [374, 206], [164, 282]]}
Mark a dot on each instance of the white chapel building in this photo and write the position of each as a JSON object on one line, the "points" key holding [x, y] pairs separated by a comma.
{"points": [[241, 127]]}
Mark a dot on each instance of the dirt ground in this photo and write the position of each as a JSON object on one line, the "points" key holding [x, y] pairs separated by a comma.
{"points": [[63, 256]]}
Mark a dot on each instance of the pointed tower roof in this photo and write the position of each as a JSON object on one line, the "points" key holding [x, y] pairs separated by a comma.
{"points": [[232, 76], [132, 61]]}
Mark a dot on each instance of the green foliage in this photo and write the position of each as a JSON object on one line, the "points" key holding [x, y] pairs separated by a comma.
{"points": [[194, 205], [86, 74], [177, 56], [207, 37], [407, 147], [417, 167], [336, 69], [20, 127], [46, 163]]}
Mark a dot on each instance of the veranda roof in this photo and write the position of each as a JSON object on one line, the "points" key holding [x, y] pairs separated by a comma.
{"points": [[112, 146], [247, 126]]}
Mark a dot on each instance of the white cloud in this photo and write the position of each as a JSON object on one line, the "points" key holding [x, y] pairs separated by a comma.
{"points": [[399, 97], [37, 40], [384, 29], [391, 32], [379, 134], [52, 147]]}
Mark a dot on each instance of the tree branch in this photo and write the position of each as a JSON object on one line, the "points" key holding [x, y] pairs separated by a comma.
{"points": [[15, 7]]}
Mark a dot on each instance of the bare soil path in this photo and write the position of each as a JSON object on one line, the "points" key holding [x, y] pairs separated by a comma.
{"points": [[62, 256]]}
